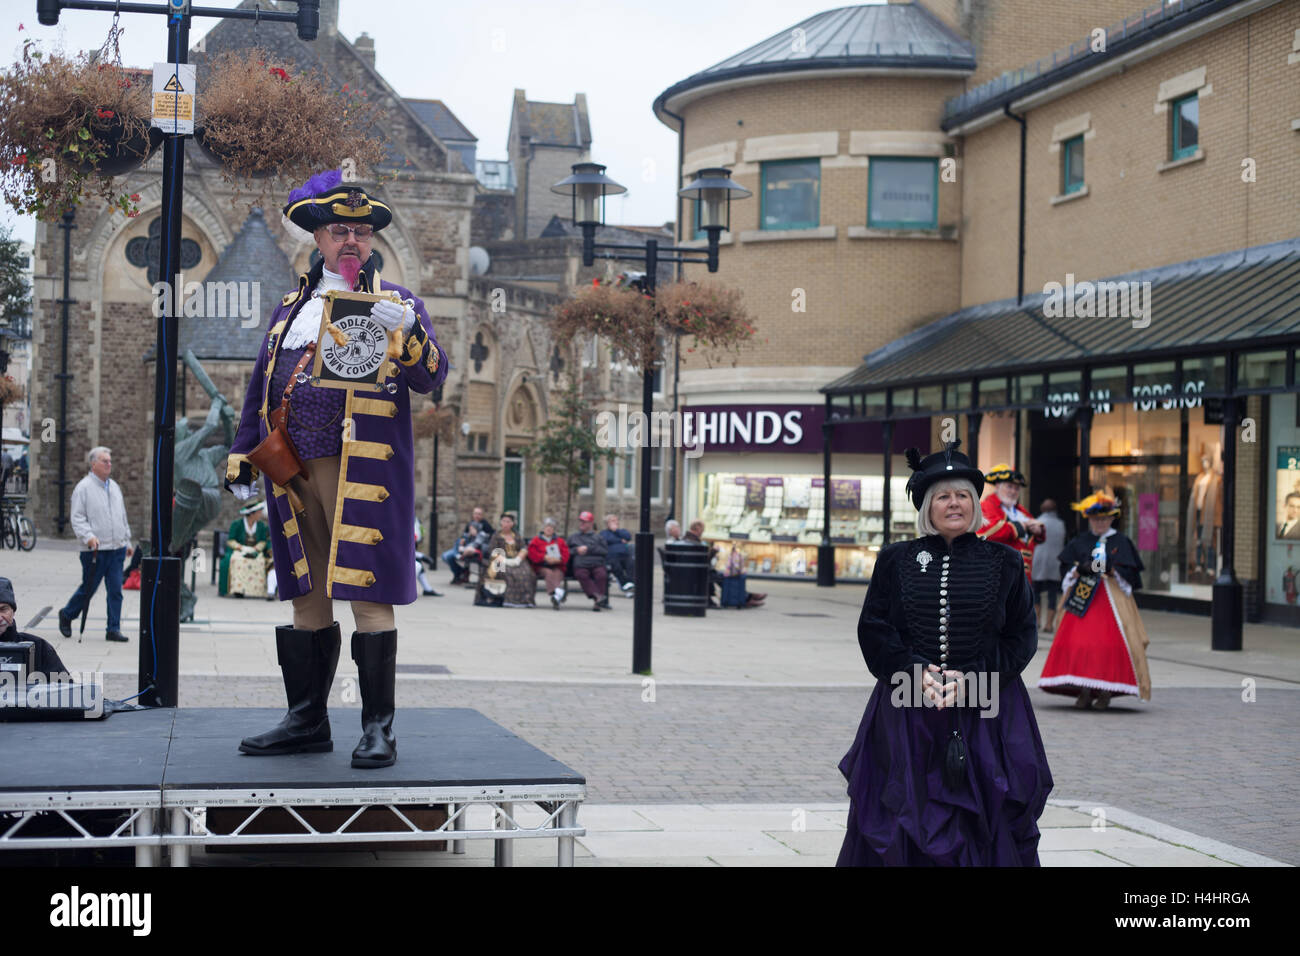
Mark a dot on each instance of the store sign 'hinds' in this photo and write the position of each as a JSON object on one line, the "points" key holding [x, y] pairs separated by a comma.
{"points": [[789, 429], [743, 426], [1146, 398]]}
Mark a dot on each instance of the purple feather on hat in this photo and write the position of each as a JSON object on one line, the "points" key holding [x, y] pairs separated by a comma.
{"points": [[317, 184]]}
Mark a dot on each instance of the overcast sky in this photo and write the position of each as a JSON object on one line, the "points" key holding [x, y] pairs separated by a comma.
{"points": [[473, 55]]}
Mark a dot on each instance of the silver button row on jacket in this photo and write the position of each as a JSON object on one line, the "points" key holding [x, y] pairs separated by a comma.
{"points": [[943, 618]]}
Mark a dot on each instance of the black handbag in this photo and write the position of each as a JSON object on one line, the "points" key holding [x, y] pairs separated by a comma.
{"points": [[954, 759]]}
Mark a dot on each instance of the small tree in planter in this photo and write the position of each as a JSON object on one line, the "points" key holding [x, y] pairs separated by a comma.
{"points": [[567, 445], [68, 125], [259, 120]]}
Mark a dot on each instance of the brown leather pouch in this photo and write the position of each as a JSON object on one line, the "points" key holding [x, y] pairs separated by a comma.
{"points": [[275, 455]]}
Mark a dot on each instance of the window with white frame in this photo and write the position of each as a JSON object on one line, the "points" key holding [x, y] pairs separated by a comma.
{"points": [[656, 473]]}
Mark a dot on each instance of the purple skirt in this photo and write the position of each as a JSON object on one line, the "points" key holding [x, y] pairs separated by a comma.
{"points": [[902, 814]]}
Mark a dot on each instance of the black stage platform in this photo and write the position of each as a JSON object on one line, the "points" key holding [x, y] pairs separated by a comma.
{"points": [[171, 767]]}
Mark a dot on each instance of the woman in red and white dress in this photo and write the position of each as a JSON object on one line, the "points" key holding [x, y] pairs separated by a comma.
{"points": [[1099, 650]]}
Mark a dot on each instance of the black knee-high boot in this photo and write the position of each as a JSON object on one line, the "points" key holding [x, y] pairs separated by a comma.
{"points": [[375, 653], [307, 660]]}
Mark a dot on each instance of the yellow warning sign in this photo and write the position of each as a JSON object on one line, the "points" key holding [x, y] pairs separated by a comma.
{"points": [[167, 106], [173, 97]]}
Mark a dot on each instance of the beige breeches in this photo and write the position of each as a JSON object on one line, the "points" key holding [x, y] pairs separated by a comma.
{"points": [[314, 610]]}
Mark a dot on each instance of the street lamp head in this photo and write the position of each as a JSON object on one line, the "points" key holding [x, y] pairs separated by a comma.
{"points": [[588, 186], [308, 19], [714, 189]]}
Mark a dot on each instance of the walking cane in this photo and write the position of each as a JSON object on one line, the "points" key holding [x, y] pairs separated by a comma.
{"points": [[90, 575]]}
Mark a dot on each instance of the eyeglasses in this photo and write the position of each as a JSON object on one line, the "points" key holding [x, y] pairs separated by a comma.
{"points": [[340, 232]]}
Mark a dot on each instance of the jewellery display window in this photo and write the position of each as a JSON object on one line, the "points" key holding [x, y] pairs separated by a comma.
{"points": [[775, 521]]}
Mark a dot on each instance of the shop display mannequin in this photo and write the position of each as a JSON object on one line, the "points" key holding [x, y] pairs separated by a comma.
{"points": [[1205, 517]]}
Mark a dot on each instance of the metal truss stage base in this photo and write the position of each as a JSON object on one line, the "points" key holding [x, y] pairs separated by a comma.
{"points": [[147, 779]]}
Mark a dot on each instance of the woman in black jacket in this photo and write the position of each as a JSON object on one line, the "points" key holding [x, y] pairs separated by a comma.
{"points": [[948, 767]]}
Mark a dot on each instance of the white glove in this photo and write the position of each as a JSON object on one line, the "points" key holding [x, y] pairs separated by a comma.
{"points": [[393, 315], [242, 492]]}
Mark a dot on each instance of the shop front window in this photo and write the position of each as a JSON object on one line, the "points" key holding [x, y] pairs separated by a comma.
{"points": [[929, 399], [993, 392], [1029, 390], [1282, 521], [1204, 376], [958, 396], [904, 402], [1137, 451], [775, 521], [1261, 370], [1109, 388]]}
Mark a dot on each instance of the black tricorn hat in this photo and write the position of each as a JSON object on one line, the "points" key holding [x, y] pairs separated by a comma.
{"points": [[326, 198], [941, 465]]}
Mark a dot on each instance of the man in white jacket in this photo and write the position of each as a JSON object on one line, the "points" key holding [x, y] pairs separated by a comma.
{"points": [[100, 524]]}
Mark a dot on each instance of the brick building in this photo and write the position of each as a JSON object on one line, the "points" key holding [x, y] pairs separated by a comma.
{"points": [[884, 145]]}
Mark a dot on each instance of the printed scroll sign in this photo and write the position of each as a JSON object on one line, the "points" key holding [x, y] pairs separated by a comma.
{"points": [[354, 349]]}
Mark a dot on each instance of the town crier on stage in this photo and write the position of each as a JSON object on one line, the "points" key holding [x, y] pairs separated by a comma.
{"points": [[343, 506], [1005, 521]]}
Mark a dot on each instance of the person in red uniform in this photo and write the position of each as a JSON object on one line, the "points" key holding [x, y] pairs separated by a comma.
{"points": [[1005, 521]]}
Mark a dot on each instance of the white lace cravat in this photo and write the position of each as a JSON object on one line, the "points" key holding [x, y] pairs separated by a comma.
{"points": [[306, 327]]}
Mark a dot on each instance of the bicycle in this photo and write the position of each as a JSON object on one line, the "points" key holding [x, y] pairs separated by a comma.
{"points": [[18, 530]]}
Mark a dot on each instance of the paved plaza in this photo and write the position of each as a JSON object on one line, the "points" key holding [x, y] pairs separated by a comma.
{"points": [[728, 754]]}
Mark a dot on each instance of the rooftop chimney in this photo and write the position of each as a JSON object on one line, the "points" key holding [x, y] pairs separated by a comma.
{"points": [[365, 46]]}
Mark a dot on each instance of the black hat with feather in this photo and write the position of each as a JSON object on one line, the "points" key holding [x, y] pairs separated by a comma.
{"points": [[941, 465]]}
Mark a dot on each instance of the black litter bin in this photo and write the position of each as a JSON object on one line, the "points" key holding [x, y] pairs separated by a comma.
{"points": [[686, 579]]}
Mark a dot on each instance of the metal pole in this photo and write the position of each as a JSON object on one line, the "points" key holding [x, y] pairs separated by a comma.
{"points": [[67, 226], [160, 573], [645, 539], [179, 853], [889, 471], [825, 550], [568, 818], [146, 854], [1226, 601], [433, 504], [677, 369], [505, 849]]}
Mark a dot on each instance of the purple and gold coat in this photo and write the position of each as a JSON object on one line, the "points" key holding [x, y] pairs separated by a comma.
{"points": [[371, 550]]}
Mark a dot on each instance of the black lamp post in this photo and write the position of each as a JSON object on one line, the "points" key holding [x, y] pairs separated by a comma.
{"points": [[160, 573], [713, 189]]}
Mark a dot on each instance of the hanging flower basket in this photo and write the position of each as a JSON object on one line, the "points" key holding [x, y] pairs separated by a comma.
{"points": [[261, 118], [224, 156], [123, 145], [712, 316], [68, 125]]}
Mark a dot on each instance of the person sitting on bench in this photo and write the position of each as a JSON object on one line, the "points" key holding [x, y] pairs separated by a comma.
{"points": [[549, 554], [468, 548], [589, 553]]}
